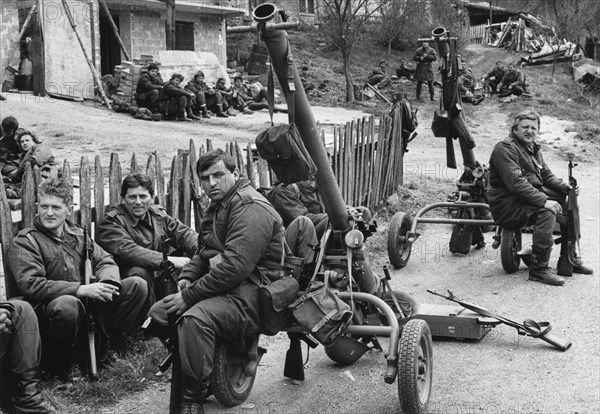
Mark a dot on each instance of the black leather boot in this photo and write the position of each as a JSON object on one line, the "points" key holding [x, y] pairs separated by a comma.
{"points": [[27, 396], [540, 272], [220, 113]]}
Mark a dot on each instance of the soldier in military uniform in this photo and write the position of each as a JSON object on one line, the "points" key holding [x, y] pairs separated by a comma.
{"points": [[148, 88], [495, 76], [425, 56], [132, 232], [47, 261], [513, 82], [206, 98], [20, 354]]}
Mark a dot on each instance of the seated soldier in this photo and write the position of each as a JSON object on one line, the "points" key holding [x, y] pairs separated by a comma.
{"points": [[148, 88], [219, 289], [207, 99], [9, 149], [495, 76], [132, 233], [466, 87], [47, 262], [232, 98], [35, 153], [405, 70], [306, 82], [513, 82], [522, 189], [254, 101], [379, 76], [175, 101], [20, 354]]}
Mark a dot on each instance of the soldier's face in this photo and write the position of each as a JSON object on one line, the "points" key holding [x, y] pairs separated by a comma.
{"points": [[137, 201], [217, 181], [526, 131], [26, 142], [53, 212]]}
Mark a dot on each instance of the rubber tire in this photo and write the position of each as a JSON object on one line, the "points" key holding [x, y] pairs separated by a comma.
{"points": [[510, 245], [459, 241], [415, 367], [228, 367], [399, 251]]}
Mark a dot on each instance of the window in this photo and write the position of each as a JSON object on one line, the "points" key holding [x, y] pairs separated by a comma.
{"points": [[306, 6], [184, 36]]}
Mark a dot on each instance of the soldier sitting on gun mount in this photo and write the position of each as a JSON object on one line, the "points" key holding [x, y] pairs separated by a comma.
{"points": [[495, 76], [175, 101], [20, 355], [522, 189], [148, 88], [47, 261], [241, 232], [513, 82], [207, 99], [379, 76], [132, 233]]}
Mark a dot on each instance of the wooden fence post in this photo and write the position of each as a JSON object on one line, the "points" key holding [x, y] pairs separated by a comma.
{"points": [[6, 236], [160, 181], [250, 165], [98, 194], [85, 194], [114, 179], [28, 193]]}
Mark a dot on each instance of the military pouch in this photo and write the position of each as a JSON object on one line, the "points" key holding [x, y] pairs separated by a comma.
{"points": [[274, 297], [441, 123], [321, 312]]}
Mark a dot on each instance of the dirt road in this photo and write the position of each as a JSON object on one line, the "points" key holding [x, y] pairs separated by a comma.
{"points": [[503, 373]]}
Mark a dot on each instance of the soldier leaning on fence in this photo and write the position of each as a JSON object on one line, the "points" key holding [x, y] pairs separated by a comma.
{"points": [[148, 88], [20, 354], [132, 232], [47, 261]]}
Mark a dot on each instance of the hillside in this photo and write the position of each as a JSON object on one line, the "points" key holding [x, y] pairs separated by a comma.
{"points": [[558, 96]]}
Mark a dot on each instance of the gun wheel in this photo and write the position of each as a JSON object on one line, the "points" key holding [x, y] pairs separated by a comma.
{"points": [[415, 367], [229, 384], [510, 245], [397, 244]]}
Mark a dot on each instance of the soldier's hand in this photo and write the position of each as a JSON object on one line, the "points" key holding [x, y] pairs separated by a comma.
{"points": [[553, 206], [102, 292], [179, 262], [570, 187], [183, 283], [174, 304], [5, 321]]}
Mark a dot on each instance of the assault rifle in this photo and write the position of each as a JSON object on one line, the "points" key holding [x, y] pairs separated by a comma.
{"points": [[529, 327], [571, 216], [90, 324]]}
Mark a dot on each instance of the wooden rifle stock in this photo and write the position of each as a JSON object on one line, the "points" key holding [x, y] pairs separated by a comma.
{"points": [[574, 229], [529, 327], [91, 324]]}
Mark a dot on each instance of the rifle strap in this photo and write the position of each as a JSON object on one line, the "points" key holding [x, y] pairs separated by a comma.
{"points": [[536, 329]]}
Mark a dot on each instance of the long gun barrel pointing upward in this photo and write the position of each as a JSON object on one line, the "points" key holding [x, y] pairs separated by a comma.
{"points": [[271, 29]]}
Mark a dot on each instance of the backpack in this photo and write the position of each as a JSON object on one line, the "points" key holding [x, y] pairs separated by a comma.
{"points": [[282, 147]]}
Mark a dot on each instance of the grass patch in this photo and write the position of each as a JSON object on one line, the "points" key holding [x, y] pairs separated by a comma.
{"points": [[125, 376]]}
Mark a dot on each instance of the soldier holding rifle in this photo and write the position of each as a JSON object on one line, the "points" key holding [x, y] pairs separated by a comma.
{"points": [[523, 190], [132, 232], [47, 261]]}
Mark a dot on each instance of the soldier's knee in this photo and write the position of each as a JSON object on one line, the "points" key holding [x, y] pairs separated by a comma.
{"points": [[66, 308], [134, 287]]}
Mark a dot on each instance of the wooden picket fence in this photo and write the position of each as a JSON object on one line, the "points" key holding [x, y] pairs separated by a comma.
{"points": [[478, 34], [366, 175], [368, 165]]}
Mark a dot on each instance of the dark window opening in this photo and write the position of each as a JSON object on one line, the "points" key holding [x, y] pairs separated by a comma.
{"points": [[184, 36]]}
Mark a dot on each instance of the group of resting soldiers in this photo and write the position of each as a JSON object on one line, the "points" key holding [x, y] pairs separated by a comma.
{"points": [[218, 272], [503, 80], [196, 99]]}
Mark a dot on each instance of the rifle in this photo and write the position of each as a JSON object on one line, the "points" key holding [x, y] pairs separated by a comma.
{"points": [[529, 327], [172, 343], [91, 324], [573, 232]]}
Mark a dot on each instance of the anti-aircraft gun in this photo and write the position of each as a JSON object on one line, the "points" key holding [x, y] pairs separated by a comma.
{"points": [[468, 204], [377, 310]]}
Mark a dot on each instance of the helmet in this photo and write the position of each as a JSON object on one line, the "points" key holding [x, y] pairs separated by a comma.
{"points": [[346, 350]]}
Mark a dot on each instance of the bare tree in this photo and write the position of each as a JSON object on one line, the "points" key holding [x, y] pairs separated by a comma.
{"points": [[342, 24], [392, 21]]}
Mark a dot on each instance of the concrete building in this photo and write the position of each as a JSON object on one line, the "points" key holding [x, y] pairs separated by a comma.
{"points": [[57, 58]]}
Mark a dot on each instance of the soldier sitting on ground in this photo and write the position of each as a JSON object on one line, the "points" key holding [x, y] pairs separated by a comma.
{"points": [[20, 355], [466, 87], [175, 101], [232, 98], [47, 262], [132, 232], [254, 101], [513, 82], [379, 76], [494, 77], [148, 88], [207, 99]]}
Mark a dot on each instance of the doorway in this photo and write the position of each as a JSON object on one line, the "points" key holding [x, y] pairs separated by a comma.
{"points": [[110, 51]]}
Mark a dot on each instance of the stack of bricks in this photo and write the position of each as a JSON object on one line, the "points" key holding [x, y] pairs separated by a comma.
{"points": [[128, 74]]}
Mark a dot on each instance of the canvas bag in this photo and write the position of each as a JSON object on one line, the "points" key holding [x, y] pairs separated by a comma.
{"points": [[441, 123], [282, 147], [320, 311]]}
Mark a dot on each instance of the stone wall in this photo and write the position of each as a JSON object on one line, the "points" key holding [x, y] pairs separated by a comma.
{"points": [[9, 31], [147, 33]]}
